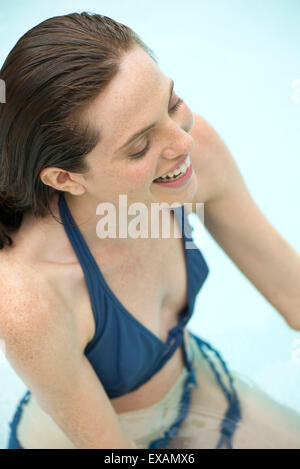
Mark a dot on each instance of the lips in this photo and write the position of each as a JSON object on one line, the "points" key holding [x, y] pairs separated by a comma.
{"points": [[173, 167], [176, 183]]}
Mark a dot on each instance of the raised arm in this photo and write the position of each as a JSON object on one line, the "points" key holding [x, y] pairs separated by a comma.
{"points": [[42, 347]]}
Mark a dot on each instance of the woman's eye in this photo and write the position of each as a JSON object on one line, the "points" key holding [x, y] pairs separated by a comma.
{"points": [[147, 147], [177, 105], [141, 153]]}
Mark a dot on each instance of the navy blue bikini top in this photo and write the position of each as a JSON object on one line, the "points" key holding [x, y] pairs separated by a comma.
{"points": [[123, 352]]}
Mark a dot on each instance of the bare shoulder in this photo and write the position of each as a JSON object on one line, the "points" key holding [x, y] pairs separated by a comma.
{"points": [[28, 301], [37, 329], [22, 285], [213, 163]]}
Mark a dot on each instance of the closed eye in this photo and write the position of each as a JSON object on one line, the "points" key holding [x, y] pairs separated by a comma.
{"points": [[148, 146]]}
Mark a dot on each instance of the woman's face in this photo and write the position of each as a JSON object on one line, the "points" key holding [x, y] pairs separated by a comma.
{"points": [[136, 98]]}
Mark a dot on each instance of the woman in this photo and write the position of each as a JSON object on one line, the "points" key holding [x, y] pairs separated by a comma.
{"points": [[94, 325]]}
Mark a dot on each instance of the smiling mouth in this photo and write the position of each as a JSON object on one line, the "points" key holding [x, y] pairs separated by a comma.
{"points": [[176, 174]]}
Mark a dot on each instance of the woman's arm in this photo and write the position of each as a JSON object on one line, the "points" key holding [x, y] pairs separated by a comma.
{"points": [[240, 228], [42, 346]]}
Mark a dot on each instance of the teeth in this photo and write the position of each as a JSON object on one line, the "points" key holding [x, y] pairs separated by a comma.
{"points": [[182, 169]]}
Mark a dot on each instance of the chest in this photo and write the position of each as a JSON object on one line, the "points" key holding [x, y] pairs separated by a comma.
{"points": [[150, 283]]}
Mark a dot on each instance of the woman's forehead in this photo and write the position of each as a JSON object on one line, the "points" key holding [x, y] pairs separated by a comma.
{"points": [[130, 101]]}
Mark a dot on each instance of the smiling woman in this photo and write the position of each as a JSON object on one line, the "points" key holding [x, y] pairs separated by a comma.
{"points": [[96, 328]]}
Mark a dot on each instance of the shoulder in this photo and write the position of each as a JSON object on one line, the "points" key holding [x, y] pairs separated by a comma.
{"points": [[28, 301], [214, 165], [38, 334]]}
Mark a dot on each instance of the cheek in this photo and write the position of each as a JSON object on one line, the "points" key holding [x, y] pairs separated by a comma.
{"points": [[140, 174], [132, 176]]}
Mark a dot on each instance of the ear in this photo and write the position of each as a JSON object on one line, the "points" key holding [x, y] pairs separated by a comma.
{"points": [[61, 180]]}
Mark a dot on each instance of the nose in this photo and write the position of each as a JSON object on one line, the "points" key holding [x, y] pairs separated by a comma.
{"points": [[181, 144], [181, 141]]}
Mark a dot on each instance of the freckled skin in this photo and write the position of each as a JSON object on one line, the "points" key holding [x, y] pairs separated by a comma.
{"points": [[135, 98], [43, 343], [41, 333]]}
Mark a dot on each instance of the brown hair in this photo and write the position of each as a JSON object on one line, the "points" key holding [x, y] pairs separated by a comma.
{"points": [[52, 73]]}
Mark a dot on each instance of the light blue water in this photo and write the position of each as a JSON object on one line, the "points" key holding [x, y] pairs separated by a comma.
{"points": [[235, 63]]}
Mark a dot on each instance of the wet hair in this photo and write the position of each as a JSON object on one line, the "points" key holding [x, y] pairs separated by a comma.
{"points": [[51, 75]]}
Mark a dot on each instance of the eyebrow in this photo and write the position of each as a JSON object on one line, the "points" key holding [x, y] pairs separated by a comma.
{"points": [[149, 127]]}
